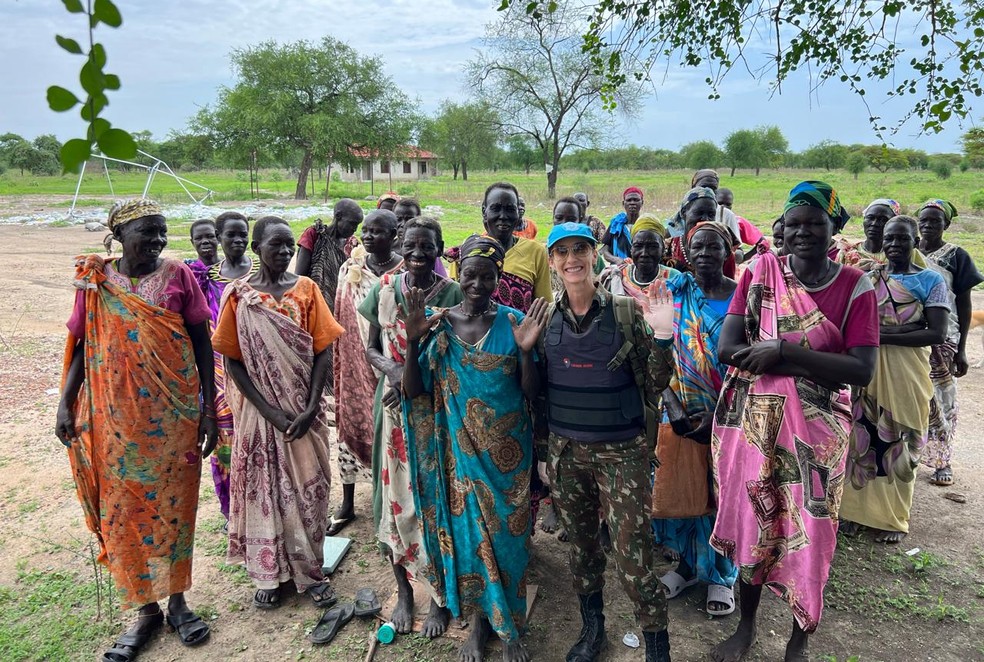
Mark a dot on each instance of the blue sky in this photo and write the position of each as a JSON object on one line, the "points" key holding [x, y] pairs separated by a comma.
{"points": [[172, 56]]}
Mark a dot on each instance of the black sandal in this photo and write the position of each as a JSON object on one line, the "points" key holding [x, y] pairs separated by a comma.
{"points": [[272, 603], [128, 645], [331, 622], [322, 594], [191, 629]]}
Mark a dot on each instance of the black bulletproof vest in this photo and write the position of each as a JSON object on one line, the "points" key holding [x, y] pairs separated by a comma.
{"points": [[587, 401]]}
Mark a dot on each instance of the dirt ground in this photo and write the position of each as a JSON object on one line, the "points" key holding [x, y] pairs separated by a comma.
{"points": [[882, 604]]}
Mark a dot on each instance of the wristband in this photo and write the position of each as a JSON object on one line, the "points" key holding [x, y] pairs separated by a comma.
{"points": [[781, 355]]}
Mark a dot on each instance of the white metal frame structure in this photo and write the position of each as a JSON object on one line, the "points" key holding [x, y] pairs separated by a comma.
{"points": [[158, 166]]}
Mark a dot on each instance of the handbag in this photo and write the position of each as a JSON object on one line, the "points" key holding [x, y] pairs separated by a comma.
{"points": [[681, 486]]}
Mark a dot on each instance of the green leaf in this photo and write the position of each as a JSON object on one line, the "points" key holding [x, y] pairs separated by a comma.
{"points": [[69, 45], [74, 6], [118, 144], [112, 82], [93, 106], [91, 78], [60, 99], [107, 12], [74, 153], [99, 55], [98, 127]]}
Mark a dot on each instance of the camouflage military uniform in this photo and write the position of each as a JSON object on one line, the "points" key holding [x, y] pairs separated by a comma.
{"points": [[615, 477], [611, 477]]}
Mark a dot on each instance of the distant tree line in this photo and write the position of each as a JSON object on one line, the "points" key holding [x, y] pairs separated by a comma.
{"points": [[467, 136]]}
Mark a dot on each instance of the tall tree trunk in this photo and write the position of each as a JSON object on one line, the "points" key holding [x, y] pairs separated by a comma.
{"points": [[732, 171], [300, 193], [552, 183], [464, 171], [756, 171], [454, 167]]}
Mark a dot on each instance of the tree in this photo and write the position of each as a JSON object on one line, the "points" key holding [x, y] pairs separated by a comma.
{"points": [[850, 41], [535, 74], [825, 154], [743, 149], [321, 100], [522, 154], [883, 158], [772, 147], [856, 163], [462, 134], [941, 167], [702, 154], [973, 146]]}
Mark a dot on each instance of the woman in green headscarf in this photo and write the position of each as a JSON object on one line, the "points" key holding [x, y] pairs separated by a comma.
{"points": [[948, 360]]}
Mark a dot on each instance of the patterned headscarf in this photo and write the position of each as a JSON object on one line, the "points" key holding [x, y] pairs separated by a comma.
{"points": [[647, 222], [718, 228], [124, 211], [482, 245], [949, 211], [694, 194], [700, 174], [389, 195], [885, 202], [633, 189], [819, 195]]}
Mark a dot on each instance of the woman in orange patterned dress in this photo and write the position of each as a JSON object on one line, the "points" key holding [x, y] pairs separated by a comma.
{"points": [[137, 357]]}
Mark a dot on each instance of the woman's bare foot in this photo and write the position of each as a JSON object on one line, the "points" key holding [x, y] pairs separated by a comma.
{"points": [[437, 621], [550, 522], [890, 537], [473, 650], [734, 647], [515, 652], [849, 528], [402, 617]]}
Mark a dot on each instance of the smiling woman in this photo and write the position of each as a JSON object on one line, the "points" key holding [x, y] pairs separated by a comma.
{"points": [[137, 360]]}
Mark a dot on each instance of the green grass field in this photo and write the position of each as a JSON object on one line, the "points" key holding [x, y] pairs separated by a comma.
{"points": [[758, 198]]}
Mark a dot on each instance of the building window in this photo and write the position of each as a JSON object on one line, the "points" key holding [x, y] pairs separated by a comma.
{"points": [[407, 168], [423, 167], [384, 167]]}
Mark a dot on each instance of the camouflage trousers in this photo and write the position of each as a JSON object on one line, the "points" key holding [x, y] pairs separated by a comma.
{"points": [[613, 479]]}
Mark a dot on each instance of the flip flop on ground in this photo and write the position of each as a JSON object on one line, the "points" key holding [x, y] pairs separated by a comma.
{"points": [[720, 595], [367, 603], [338, 523], [331, 622], [675, 583]]}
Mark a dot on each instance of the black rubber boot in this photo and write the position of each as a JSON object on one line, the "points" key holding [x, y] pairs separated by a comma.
{"points": [[657, 646], [593, 639]]}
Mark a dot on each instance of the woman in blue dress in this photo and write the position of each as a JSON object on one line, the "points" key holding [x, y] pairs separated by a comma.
{"points": [[469, 370]]}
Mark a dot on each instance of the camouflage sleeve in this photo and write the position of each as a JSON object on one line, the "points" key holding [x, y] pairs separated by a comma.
{"points": [[659, 361]]}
